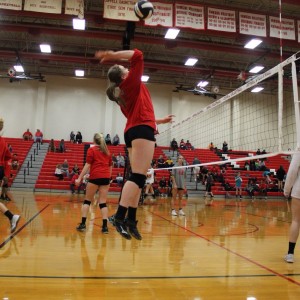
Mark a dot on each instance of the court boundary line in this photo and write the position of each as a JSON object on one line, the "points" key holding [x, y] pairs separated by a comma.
{"points": [[231, 251], [22, 227]]}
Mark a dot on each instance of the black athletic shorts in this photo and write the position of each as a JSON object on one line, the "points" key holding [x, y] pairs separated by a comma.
{"points": [[100, 181], [139, 132], [1, 172]]}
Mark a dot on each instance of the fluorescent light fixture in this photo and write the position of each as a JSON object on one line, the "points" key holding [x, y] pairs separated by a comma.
{"points": [[253, 44], [45, 48], [191, 61], [79, 24], [19, 68], [79, 73], [202, 83], [257, 89], [145, 78], [172, 33], [256, 69]]}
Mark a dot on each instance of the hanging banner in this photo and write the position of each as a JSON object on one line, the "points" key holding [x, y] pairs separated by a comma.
{"points": [[11, 4], [44, 6], [287, 28], [298, 31], [253, 24], [163, 15], [119, 10], [221, 19], [73, 7], [189, 16]]}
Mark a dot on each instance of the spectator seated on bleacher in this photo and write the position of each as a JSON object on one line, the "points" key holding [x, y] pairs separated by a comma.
{"points": [[38, 137], [182, 145], [120, 161], [225, 146], [52, 147], [258, 152], [262, 165], [9, 146], [119, 179], [116, 140], [161, 162], [114, 161], [108, 139], [251, 188], [72, 137], [174, 146], [169, 162], [247, 166], [27, 135], [58, 172], [211, 147], [188, 145], [78, 138], [65, 168], [75, 170], [15, 162], [62, 146], [164, 187], [227, 187], [73, 185]]}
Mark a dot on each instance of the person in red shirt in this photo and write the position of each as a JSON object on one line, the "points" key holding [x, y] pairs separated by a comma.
{"points": [[27, 135], [136, 105], [38, 137], [99, 165], [5, 156]]}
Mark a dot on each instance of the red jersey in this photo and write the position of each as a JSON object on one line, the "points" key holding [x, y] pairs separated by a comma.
{"points": [[100, 163], [5, 154], [138, 107]]}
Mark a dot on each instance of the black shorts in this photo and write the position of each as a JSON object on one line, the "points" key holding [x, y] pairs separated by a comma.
{"points": [[1, 172], [100, 181], [139, 132]]}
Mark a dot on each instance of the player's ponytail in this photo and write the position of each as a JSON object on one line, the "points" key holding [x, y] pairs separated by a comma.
{"points": [[115, 78], [99, 140]]}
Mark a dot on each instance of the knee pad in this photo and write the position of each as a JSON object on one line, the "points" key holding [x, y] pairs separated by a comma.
{"points": [[87, 202], [138, 179], [102, 205]]}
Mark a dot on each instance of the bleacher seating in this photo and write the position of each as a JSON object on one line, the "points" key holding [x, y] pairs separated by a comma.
{"points": [[21, 148]]}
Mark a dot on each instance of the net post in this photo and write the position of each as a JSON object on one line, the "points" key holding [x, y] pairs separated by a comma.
{"points": [[280, 106], [296, 103]]}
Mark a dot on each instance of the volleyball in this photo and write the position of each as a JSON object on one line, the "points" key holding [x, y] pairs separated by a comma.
{"points": [[143, 9]]}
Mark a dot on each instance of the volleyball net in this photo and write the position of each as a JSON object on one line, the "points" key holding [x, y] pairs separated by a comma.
{"points": [[248, 120]]}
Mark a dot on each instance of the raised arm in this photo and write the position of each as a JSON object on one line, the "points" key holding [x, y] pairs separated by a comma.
{"points": [[109, 55]]}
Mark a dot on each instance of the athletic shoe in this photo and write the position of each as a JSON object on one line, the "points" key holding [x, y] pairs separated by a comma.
{"points": [[174, 213], [122, 229], [131, 225], [81, 227], [111, 220], [181, 212], [289, 258], [14, 223], [104, 230]]}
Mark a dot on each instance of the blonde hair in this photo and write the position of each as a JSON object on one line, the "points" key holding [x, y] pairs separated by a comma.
{"points": [[99, 140]]}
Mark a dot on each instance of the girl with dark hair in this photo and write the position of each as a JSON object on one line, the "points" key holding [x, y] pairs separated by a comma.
{"points": [[127, 90], [99, 165]]}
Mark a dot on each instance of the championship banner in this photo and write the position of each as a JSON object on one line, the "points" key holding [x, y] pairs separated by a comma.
{"points": [[163, 15], [253, 24], [189, 16], [44, 6], [11, 4], [119, 10], [221, 20], [287, 28], [73, 7]]}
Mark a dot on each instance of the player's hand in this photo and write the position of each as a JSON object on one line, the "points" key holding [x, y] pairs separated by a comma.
{"points": [[103, 55], [168, 119], [77, 182]]}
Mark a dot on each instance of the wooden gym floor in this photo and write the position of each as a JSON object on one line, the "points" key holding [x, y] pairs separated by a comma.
{"points": [[224, 251]]}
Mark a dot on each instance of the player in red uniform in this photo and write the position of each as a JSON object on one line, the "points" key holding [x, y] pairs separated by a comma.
{"points": [[5, 156], [136, 105], [99, 165]]}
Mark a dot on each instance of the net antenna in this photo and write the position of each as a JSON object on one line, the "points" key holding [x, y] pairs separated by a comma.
{"points": [[247, 121]]}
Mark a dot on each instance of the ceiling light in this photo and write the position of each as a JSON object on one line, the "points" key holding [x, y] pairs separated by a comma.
{"points": [[256, 69], [145, 78], [79, 24], [45, 48], [19, 68], [257, 89], [172, 33], [202, 83], [253, 44], [79, 73], [191, 61]]}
